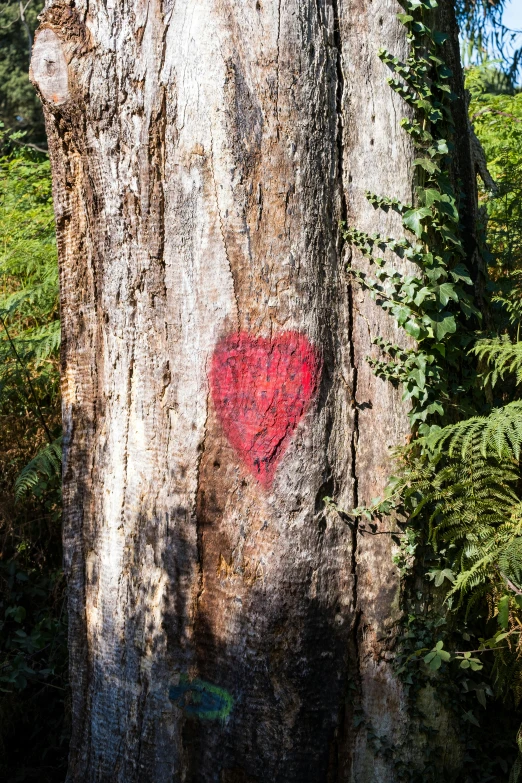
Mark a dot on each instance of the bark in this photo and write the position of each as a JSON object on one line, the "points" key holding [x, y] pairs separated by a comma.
{"points": [[225, 625]]}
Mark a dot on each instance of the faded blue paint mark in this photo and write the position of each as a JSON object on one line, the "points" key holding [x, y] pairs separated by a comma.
{"points": [[201, 699]]}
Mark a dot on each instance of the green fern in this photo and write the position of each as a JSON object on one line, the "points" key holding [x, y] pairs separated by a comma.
{"points": [[29, 302], [45, 466], [503, 357], [499, 434], [472, 510], [510, 561], [508, 296]]}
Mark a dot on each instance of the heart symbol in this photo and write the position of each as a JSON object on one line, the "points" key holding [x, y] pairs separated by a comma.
{"points": [[261, 388]]}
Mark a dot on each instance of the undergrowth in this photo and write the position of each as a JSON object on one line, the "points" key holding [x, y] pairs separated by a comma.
{"points": [[457, 486], [33, 657]]}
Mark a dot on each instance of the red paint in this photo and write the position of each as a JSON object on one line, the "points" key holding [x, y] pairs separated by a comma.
{"points": [[261, 389]]}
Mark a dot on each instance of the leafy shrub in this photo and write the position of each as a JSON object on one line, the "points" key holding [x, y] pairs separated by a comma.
{"points": [[33, 658]]}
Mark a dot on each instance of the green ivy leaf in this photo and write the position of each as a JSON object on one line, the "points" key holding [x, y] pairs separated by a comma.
{"points": [[413, 218], [444, 324], [439, 38], [419, 377], [427, 164], [413, 5], [460, 272], [445, 573], [470, 718], [401, 313], [413, 329], [421, 295], [469, 309], [447, 292], [429, 195]]}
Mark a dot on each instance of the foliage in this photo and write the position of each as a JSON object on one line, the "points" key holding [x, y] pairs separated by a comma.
{"points": [[498, 434], [41, 469], [434, 304], [20, 108], [458, 482], [483, 30], [33, 693], [497, 120]]}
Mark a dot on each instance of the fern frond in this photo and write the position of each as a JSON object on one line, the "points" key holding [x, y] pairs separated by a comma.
{"points": [[41, 343], [510, 561], [46, 465], [509, 296], [503, 356], [499, 434]]}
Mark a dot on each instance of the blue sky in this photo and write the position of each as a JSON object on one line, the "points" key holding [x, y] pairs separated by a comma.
{"points": [[513, 14], [512, 18]]}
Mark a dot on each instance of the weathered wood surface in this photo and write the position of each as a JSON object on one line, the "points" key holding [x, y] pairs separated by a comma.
{"points": [[203, 155]]}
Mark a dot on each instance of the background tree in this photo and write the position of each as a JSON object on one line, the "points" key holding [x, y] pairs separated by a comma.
{"points": [[20, 109]]}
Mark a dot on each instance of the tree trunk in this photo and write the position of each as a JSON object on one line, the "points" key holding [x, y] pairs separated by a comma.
{"points": [[225, 625]]}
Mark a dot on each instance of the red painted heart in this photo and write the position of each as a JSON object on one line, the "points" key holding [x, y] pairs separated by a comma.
{"points": [[261, 389]]}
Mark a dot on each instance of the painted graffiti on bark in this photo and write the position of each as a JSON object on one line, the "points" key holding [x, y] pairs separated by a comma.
{"points": [[261, 389]]}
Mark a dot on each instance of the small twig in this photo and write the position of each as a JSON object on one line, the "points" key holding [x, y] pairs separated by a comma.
{"points": [[26, 26], [495, 111], [50, 685], [382, 532], [512, 587], [484, 649], [29, 144]]}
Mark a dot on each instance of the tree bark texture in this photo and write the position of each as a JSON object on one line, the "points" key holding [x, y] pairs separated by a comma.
{"points": [[225, 625]]}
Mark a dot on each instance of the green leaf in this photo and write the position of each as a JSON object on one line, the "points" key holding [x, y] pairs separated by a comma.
{"points": [[427, 164], [401, 313], [413, 218], [419, 377], [447, 292], [444, 324], [421, 295], [415, 4], [469, 309], [460, 272], [470, 718], [439, 38], [445, 573], [412, 328], [429, 195], [503, 611]]}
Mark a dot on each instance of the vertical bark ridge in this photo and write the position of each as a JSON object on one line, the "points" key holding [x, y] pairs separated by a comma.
{"points": [[221, 229]]}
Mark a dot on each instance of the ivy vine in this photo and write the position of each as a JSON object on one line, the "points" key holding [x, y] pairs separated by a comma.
{"points": [[434, 305]]}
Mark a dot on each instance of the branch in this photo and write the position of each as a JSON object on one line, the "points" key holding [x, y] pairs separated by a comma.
{"points": [[494, 111], [32, 146], [479, 159], [511, 586]]}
